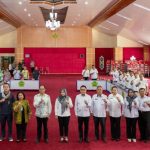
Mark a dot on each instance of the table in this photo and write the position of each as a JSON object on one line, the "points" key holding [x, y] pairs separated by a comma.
{"points": [[24, 84], [91, 84]]}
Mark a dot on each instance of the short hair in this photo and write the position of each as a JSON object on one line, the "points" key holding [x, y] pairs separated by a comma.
{"points": [[141, 89], [5, 83], [20, 92], [114, 87], [99, 86], [83, 86]]}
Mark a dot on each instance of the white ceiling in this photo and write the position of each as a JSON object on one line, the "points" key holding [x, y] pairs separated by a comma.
{"points": [[5, 27], [135, 27]]}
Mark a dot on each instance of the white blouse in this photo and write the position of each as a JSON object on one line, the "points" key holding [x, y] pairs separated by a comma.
{"points": [[43, 106], [86, 73], [58, 108], [81, 108], [134, 109]]}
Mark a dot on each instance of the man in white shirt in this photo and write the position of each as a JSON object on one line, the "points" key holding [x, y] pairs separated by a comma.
{"points": [[115, 105], [144, 115], [94, 73], [115, 74], [131, 77], [98, 109], [17, 74], [43, 106], [86, 73], [82, 111]]}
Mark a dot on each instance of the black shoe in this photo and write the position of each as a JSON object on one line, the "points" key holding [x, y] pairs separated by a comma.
{"points": [[17, 140], [80, 140], [37, 141], [86, 140], [24, 140], [104, 140], [46, 141]]}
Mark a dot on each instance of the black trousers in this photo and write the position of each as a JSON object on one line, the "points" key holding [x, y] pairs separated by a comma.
{"points": [[21, 131], [144, 125], [102, 122], [131, 127], [115, 127], [63, 125], [40, 122], [6, 118], [85, 121], [86, 78]]}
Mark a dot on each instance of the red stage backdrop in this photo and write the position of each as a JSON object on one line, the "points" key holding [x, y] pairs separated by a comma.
{"points": [[57, 60], [137, 52], [7, 50], [107, 54]]}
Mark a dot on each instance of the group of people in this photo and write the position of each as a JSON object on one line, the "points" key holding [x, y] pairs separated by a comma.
{"points": [[134, 108], [129, 80], [90, 73]]}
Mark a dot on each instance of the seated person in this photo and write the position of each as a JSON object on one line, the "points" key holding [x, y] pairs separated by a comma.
{"points": [[36, 74], [25, 73]]}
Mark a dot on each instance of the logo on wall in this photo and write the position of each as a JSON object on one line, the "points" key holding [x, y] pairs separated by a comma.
{"points": [[94, 83], [21, 84], [101, 62]]}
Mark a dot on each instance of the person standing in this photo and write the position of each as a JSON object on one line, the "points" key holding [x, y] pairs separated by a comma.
{"points": [[25, 73], [36, 73], [144, 115], [86, 73], [62, 112], [130, 111], [22, 114], [94, 73], [115, 111], [6, 112], [17, 74], [32, 65], [98, 109], [42, 103], [82, 111]]}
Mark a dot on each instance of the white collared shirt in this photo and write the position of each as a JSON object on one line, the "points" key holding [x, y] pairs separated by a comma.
{"points": [[135, 82], [85, 73], [94, 73], [17, 74], [43, 109], [143, 84], [134, 110], [114, 106], [58, 108], [98, 106], [81, 109], [143, 106]]}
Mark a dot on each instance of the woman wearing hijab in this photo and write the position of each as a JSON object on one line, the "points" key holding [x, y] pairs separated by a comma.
{"points": [[62, 112], [131, 114]]}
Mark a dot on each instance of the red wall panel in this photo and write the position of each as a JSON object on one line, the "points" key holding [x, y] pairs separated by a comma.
{"points": [[137, 52], [7, 50], [57, 60], [107, 53]]}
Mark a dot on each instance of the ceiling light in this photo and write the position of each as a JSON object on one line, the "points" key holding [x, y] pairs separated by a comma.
{"points": [[29, 14], [104, 27], [25, 9], [20, 3], [112, 23], [127, 18], [141, 6], [86, 2], [143, 42]]}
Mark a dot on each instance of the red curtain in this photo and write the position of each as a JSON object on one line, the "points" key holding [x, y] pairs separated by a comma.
{"points": [[7, 50], [107, 53], [137, 52], [57, 60]]}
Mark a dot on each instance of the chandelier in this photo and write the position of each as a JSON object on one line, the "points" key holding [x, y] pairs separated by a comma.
{"points": [[52, 23]]}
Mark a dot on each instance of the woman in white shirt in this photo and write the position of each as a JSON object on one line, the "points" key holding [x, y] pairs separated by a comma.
{"points": [[115, 106], [86, 73], [62, 112], [130, 111], [94, 73]]}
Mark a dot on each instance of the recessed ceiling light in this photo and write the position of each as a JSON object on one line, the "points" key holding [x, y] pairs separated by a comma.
{"points": [[25, 9], [104, 27], [20, 2], [112, 23], [143, 42], [141, 6], [86, 2], [122, 16], [29, 14]]}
